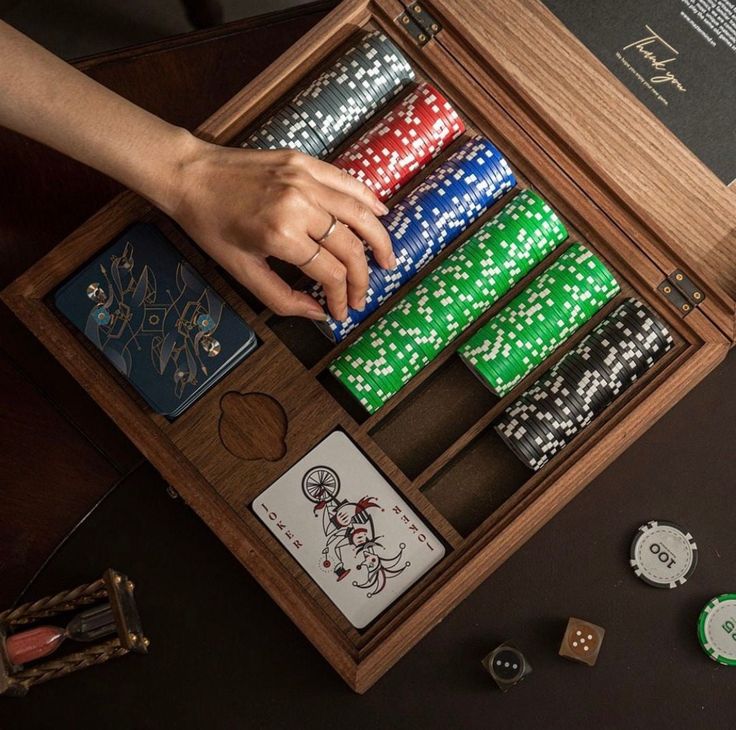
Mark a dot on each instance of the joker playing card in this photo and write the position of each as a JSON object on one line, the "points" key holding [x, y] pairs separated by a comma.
{"points": [[349, 529]]}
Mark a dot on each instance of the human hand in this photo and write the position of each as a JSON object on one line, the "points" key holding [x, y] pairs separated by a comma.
{"points": [[243, 205], [240, 205]]}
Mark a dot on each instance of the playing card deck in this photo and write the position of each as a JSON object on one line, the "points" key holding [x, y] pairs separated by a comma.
{"points": [[348, 528], [155, 319]]}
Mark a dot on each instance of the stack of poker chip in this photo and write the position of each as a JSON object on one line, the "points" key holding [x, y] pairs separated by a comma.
{"points": [[402, 142], [576, 390], [448, 300], [437, 211], [534, 324], [339, 101]]}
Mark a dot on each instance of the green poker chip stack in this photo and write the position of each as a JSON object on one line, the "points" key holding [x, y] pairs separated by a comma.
{"points": [[534, 324], [410, 335]]}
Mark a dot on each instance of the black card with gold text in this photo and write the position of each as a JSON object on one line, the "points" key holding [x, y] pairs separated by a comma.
{"points": [[678, 57]]}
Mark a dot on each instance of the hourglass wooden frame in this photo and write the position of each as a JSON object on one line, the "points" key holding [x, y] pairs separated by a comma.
{"points": [[113, 587]]}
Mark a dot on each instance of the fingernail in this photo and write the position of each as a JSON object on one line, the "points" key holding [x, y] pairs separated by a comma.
{"points": [[381, 208], [392, 262], [318, 315], [361, 305]]}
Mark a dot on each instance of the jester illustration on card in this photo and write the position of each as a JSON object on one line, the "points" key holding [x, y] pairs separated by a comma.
{"points": [[348, 528], [352, 545]]}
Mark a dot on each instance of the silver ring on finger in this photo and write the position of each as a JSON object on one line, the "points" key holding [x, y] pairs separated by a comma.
{"points": [[330, 229], [312, 257]]}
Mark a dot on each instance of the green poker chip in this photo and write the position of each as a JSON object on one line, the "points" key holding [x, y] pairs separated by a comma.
{"points": [[717, 629], [540, 319]]}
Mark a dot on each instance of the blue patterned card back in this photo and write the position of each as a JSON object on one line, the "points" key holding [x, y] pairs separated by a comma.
{"points": [[155, 319]]}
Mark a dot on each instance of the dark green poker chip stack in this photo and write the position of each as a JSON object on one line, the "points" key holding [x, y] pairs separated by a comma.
{"points": [[534, 324], [408, 337]]}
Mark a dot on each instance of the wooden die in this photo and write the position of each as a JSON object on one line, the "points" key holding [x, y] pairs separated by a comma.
{"points": [[582, 641]]}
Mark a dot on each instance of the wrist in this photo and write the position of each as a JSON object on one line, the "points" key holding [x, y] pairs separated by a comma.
{"points": [[164, 185]]}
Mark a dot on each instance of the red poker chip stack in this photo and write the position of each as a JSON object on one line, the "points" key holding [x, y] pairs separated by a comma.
{"points": [[402, 142]]}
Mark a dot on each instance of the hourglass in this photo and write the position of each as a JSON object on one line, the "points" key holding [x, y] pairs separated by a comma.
{"points": [[71, 630]]}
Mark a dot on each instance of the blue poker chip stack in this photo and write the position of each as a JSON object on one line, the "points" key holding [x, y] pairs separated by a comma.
{"points": [[449, 200]]}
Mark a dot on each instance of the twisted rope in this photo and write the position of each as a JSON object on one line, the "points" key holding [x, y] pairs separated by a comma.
{"points": [[48, 606], [70, 663]]}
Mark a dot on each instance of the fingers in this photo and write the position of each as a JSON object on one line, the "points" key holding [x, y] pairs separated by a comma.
{"points": [[325, 268], [348, 199], [345, 183], [341, 265], [355, 214], [332, 274], [348, 249], [275, 293]]}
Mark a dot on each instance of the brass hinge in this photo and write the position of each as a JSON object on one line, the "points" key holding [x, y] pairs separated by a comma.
{"points": [[681, 292], [418, 23]]}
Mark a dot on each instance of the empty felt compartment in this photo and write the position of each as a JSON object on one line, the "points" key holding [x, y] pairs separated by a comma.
{"points": [[290, 274], [302, 337], [342, 396], [433, 417], [477, 481]]}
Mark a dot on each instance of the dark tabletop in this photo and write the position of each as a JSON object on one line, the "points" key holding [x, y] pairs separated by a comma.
{"points": [[223, 655]]}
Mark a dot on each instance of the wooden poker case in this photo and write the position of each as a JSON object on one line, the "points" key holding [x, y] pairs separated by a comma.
{"points": [[623, 185]]}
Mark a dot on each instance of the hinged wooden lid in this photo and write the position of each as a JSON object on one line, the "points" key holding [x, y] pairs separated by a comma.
{"points": [[629, 155]]}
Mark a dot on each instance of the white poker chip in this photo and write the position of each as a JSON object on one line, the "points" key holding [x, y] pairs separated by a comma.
{"points": [[663, 554]]}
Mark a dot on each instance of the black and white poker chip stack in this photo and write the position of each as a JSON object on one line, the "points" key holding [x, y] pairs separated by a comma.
{"points": [[558, 406], [339, 101]]}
